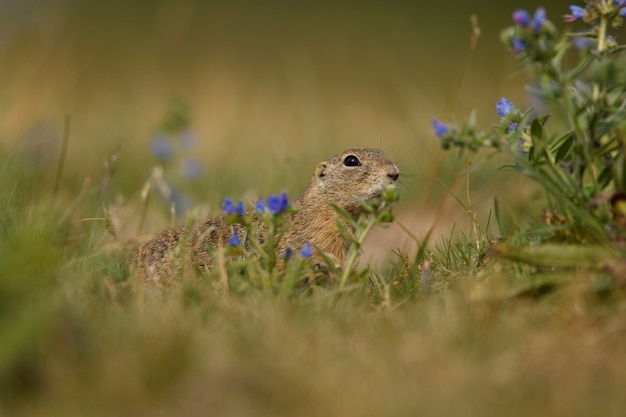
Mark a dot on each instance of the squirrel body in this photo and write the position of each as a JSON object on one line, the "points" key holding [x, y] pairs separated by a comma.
{"points": [[344, 180]]}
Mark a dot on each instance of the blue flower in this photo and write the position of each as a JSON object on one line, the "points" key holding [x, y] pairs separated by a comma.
{"points": [[577, 12], [521, 17], [182, 202], [538, 19], [190, 168], [504, 107], [288, 253], [260, 206], [581, 43], [228, 207], [440, 128], [276, 204], [234, 240], [161, 147], [306, 251], [511, 126], [518, 45], [622, 12]]}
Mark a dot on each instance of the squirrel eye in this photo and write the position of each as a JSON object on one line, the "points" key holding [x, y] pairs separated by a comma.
{"points": [[351, 161]]}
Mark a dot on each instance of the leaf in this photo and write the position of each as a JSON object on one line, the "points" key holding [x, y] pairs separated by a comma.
{"points": [[555, 255], [564, 148], [605, 177], [536, 130], [345, 215], [343, 230]]}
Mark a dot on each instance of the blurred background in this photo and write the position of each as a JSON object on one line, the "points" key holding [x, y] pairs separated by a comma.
{"points": [[258, 93]]}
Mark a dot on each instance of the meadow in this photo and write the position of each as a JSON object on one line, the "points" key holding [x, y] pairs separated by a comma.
{"points": [[498, 289]]}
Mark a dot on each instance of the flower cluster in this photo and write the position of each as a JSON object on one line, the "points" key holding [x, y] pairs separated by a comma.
{"points": [[276, 204], [595, 10], [229, 207], [523, 36], [173, 147], [576, 166]]}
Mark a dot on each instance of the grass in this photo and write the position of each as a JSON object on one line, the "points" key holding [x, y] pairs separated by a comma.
{"points": [[442, 324], [485, 336]]}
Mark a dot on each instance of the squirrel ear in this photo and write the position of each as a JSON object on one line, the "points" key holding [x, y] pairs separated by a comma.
{"points": [[320, 171]]}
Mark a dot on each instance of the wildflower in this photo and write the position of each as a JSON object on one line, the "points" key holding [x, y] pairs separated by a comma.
{"points": [[182, 202], [288, 253], [620, 4], [512, 126], [190, 168], [581, 43], [161, 147], [234, 240], [577, 13], [260, 206], [504, 107], [440, 128], [538, 19], [521, 17], [228, 207], [523, 146], [518, 45], [276, 204], [306, 251]]}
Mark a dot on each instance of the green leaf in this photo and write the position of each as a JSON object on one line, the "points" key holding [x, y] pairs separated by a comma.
{"points": [[605, 177], [555, 255], [345, 215], [564, 148], [536, 130]]}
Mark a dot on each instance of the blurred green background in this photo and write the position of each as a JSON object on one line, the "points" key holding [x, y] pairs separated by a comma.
{"points": [[272, 88]]}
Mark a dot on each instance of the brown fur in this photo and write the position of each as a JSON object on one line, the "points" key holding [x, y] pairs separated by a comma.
{"points": [[333, 182]]}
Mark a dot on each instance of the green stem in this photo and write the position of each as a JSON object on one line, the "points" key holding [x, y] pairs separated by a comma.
{"points": [[580, 133], [354, 251], [601, 48], [360, 235]]}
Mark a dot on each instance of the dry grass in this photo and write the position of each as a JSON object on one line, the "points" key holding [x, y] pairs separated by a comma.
{"points": [[270, 98]]}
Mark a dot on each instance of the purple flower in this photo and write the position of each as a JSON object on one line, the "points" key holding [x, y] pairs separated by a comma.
{"points": [[234, 240], [190, 168], [577, 13], [521, 17], [622, 12], [440, 128], [276, 204], [538, 19], [306, 251], [504, 107], [518, 45], [260, 206], [182, 202], [161, 147], [512, 126], [228, 207], [581, 43]]}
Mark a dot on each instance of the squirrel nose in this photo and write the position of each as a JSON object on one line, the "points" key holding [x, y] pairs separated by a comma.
{"points": [[393, 173]]}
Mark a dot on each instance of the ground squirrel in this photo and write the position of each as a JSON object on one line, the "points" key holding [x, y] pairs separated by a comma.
{"points": [[345, 180]]}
